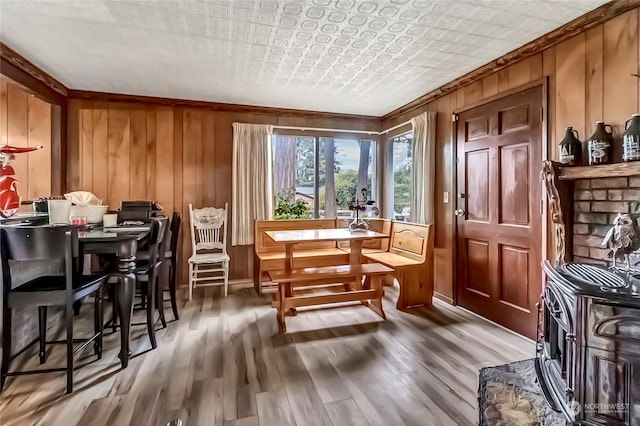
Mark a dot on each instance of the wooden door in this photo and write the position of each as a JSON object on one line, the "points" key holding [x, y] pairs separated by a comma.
{"points": [[499, 242]]}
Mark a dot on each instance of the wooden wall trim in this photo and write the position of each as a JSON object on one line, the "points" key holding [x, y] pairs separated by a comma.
{"points": [[17, 68], [213, 106], [577, 26], [526, 86]]}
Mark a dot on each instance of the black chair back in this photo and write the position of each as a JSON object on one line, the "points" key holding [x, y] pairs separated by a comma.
{"points": [[27, 243], [154, 235], [176, 221], [156, 245], [163, 238], [23, 243]]}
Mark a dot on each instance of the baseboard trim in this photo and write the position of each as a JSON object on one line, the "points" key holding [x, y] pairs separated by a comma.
{"points": [[238, 284], [496, 324], [233, 284], [444, 298]]}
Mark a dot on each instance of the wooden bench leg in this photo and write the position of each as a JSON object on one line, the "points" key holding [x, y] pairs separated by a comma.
{"points": [[358, 285], [367, 282], [414, 290], [257, 276], [376, 304], [281, 299], [289, 293]]}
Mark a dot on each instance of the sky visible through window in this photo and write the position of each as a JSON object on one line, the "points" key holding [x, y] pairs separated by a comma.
{"points": [[347, 154]]}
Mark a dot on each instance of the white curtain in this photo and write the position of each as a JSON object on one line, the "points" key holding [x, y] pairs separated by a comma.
{"points": [[252, 180], [423, 167]]}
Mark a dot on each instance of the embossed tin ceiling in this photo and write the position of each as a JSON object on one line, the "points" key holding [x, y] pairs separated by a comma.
{"points": [[350, 56]]}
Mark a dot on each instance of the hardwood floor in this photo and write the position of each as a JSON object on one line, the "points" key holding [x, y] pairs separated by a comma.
{"points": [[224, 363]]}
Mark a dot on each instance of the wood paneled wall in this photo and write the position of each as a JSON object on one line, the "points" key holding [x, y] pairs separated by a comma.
{"points": [[589, 79], [175, 155], [25, 120]]}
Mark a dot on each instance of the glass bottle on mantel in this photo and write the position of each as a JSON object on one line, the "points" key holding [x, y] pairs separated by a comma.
{"points": [[599, 144], [569, 148], [631, 139]]}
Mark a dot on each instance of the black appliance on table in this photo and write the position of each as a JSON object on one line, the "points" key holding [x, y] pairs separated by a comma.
{"points": [[138, 211]]}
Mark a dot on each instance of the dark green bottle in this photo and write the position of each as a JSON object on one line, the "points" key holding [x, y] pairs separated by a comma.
{"points": [[569, 148], [631, 139], [600, 144]]}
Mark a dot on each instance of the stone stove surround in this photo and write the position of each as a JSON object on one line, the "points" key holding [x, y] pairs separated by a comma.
{"points": [[596, 203]]}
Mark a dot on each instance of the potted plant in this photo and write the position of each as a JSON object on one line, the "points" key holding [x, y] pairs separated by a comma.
{"points": [[287, 207]]}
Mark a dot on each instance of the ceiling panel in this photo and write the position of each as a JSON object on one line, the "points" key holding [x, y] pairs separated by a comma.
{"points": [[348, 56]]}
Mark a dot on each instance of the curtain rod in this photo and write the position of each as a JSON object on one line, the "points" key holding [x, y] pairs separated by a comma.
{"points": [[397, 126], [366, 132]]}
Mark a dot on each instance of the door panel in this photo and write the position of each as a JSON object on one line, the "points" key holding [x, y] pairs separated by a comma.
{"points": [[514, 276], [478, 185], [477, 128], [513, 118], [499, 233], [514, 183], [478, 262]]}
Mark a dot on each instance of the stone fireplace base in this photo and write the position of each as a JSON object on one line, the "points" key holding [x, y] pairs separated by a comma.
{"points": [[509, 394]]}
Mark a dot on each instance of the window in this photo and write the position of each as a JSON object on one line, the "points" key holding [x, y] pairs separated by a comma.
{"points": [[321, 173], [400, 184]]}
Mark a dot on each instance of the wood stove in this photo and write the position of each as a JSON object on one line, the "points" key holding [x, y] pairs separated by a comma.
{"points": [[588, 347]]}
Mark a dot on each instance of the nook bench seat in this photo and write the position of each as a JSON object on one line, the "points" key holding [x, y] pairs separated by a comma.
{"points": [[349, 275], [410, 254]]}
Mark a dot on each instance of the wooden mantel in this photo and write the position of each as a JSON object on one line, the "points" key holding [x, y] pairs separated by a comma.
{"points": [[602, 171]]}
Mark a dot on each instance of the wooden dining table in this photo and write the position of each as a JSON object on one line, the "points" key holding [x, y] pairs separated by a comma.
{"points": [[292, 237], [123, 242]]}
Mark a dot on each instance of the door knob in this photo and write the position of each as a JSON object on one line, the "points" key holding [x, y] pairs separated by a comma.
{"points": [[459, 212]]}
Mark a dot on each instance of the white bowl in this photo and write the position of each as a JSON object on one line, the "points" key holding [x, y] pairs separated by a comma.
{"points": [[92, 213]]}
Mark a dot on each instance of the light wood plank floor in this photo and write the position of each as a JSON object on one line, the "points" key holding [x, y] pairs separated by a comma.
{"points": [[224, 363]]}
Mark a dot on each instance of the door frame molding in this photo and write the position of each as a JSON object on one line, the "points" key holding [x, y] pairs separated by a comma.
{"points": [[544, 83]]}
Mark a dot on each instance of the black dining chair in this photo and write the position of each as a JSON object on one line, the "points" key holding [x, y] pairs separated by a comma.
{"points": [[53, 244], [148, 273], [171, 257]]}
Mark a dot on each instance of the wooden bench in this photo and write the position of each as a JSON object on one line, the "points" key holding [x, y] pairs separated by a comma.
{"points": [[350, 276], [270, 256], [410, 254]]}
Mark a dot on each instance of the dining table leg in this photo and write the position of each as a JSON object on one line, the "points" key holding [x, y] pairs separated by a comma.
{"points": [[355, 255], [355, 258], [125, 292], [288, 266]]}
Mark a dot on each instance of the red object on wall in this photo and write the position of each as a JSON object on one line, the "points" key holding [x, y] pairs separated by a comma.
{"points": [[9, 197]]}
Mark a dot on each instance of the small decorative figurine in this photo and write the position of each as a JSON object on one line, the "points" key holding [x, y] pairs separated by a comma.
{"points": [[9, 197], [623, 238], [359, 205]]}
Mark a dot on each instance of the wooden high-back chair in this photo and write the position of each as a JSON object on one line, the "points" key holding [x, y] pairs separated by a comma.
{"points": [[209, 263]]}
